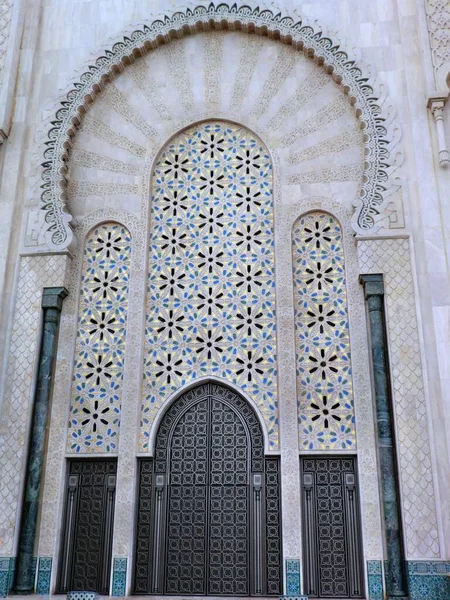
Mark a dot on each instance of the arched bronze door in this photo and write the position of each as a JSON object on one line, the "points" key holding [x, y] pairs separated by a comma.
{"points": [[209, 511]]}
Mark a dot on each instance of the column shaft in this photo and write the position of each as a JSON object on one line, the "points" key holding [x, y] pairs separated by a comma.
{"points": [[51, 303], [396, 583]]}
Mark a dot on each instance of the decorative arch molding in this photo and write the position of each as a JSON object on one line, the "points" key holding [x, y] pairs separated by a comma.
{"points": [[193, 395], [110, 63], [164, 409]]}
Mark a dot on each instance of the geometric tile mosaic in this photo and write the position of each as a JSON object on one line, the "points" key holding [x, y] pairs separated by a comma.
{"points": [[119, 580], [94, 420], [211, 284], [293, 585], [429, 579], [44, 575], [6, 575], [324, 374], [375, 580]]}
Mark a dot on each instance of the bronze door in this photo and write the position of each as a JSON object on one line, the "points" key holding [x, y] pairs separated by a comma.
{"points": [[331, 525], [205, 523], [88, 525]]}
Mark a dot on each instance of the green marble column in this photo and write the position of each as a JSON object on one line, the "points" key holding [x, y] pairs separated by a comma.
{"points": [[52, 299], [396, 581]]}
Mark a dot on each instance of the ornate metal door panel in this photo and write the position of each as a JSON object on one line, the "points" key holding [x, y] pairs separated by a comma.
{"points": [[86, 548], [332, 539], [186, 530], [228, 503], [210, 532]]}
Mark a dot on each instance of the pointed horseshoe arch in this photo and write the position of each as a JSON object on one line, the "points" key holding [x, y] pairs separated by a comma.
{"points": [[209, 502], [229, 17]]}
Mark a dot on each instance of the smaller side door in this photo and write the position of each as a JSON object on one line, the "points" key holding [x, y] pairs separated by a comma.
{"points": [[85, 562]]}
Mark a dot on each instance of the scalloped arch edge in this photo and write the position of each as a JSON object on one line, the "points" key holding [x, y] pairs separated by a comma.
{"points": [[368, 205]]}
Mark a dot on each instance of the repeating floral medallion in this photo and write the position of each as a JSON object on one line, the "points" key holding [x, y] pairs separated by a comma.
{"points": [[100, 345], [211, 284], [324, 375]]}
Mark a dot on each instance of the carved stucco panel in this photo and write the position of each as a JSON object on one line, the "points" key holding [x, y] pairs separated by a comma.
{"points": [[372, 200], [392, 258], [6, 7], [438, 17], [35, 273]]}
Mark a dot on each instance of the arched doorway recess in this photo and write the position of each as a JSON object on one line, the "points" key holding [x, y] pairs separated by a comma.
{"points": [[209, 502]]}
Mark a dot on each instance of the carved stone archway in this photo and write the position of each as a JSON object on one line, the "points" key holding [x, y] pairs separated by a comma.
{"points": [[216, 16]]}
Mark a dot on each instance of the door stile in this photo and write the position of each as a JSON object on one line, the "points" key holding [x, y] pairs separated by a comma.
{"points": [[353, 534], [207, 565], [66, 564], [310, 541], [256, 521], [108, 533]]}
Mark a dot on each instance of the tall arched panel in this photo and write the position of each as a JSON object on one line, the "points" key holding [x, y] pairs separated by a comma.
{"points": [[211, 286], [324, 372], [96, 393]]}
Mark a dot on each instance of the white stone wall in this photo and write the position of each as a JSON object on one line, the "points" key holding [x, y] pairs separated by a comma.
{"points": [[317, 149]]}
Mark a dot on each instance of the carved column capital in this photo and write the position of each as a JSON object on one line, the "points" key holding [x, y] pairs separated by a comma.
{"points": [[373, 286], [436, 104], [52, 297]]}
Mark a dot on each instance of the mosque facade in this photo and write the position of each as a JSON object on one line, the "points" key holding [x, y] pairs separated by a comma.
{"points": [[225, 322]]}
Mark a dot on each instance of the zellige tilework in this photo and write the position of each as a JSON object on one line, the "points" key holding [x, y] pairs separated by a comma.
{"points": [[100, 346], [211, 288], [324, 375]]}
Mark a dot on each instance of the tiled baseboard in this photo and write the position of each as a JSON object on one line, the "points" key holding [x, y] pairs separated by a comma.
{"points": [[429, 579], [293, 581], [119, 579], [375, 579]]}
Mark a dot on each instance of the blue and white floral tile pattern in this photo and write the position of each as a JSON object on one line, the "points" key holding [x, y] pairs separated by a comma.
{"points": [[324, 375], [375, 580], [7, 566], [119, 580], [94, 420], [43, 576], [293, 584], [429, 579], [211, 284]]}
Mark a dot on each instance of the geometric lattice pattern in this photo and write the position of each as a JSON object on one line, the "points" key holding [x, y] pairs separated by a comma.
{"points": [[225, 500], [393, 259], [144, 527], [211, 295], [208, 445], [273, 525], [36, 272], [334, 524], [100, 346], [91, 526], [324, 376]]}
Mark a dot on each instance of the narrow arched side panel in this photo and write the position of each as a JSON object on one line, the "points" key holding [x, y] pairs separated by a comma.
{"points": [[324, 372], [96, 393]]}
